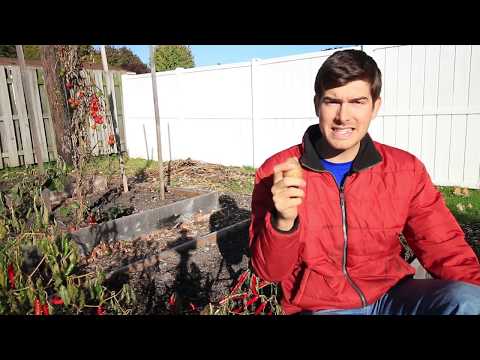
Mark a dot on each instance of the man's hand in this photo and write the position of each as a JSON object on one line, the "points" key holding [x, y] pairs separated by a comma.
{"points": [[287, 192]]}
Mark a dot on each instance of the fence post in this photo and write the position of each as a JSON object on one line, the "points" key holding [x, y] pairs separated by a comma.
{"points": [[23, 115], [180, 114], [255, 103], [8, 137]]}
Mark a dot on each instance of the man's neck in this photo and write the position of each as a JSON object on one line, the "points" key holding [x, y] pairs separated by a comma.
{"points": [[339, 156]]}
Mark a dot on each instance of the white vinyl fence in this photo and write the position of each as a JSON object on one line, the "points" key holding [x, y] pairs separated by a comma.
{"points": [[242, 113]]}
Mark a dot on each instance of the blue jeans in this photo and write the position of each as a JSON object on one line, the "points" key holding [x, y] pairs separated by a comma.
{"points": [[421, 297]]}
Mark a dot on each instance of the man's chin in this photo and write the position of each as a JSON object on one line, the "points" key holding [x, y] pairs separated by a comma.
{"points": [[341, 146]]}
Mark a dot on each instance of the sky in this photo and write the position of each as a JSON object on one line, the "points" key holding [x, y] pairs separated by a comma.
{"points": [[205, 55]]}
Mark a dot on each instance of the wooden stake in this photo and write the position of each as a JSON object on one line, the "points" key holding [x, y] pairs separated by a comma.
{"points": [[157, 120], [110, 108]]}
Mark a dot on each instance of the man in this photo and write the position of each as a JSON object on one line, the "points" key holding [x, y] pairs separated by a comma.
{"points": [[330, 236]]}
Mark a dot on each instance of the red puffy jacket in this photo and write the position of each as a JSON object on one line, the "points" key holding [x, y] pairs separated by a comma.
{"points": [[344, 250]]}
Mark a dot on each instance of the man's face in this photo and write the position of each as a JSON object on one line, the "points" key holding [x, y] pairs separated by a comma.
{"points": [[345, 113]]}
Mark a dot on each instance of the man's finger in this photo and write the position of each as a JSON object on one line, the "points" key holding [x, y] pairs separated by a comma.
{"points": [[279, 169], [292, 181], [277, 175], [285, 166]]}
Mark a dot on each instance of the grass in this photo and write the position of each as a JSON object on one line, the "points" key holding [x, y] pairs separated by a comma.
{"points": [[110, 165], [466, 209]]}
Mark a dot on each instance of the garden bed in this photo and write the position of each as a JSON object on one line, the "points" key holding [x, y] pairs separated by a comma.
{"points": [[197, 257], [144, 222]]}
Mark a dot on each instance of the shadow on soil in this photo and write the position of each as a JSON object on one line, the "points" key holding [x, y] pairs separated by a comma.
{"points": [[185, 288]]}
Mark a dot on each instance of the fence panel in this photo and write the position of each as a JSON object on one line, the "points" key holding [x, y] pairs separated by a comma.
{"points": [[429, 108], [16, 146]]}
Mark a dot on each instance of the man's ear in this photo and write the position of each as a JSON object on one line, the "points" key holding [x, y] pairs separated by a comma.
{"points": [[376, 107], [316, 103]]}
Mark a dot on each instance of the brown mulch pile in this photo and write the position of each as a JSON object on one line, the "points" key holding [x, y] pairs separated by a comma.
{"points": [[203, 175]]}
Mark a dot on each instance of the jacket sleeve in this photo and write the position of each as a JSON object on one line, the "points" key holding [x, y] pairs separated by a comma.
{"points": [[435, 236], [274, 252]]}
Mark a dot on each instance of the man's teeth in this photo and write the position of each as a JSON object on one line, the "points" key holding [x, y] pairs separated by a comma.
{"points": [[343, 131]]}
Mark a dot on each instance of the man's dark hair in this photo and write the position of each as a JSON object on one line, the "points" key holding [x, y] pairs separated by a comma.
{"points": [[345, 66]]}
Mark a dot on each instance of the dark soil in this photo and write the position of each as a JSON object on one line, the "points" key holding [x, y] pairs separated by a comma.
{"points": [[197, 276], [115, 203]]}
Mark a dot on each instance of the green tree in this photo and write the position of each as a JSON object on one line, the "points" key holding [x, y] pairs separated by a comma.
{"points": [[169, 57], [124, 57], [32, 52], [120, 57], [8, 51]]}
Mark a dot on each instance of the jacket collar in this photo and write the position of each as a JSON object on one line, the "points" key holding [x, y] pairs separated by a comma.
{"points": [[367, 155]]}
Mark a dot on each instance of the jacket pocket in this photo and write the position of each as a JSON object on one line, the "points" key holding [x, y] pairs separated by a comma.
{"points": [[301, 289], [315, 290]]}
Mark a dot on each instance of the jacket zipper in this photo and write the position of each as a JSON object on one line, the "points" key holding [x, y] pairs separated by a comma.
{"points": [[345, 246], [345, 236]]}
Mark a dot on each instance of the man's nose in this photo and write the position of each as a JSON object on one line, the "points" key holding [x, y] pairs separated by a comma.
{"points": [[343, 114]]}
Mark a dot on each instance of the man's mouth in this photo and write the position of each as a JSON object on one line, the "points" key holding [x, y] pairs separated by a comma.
{"points": [[342, 132]]}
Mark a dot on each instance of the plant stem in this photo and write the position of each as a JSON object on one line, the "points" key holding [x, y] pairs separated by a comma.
{"points": [[40, 263]]}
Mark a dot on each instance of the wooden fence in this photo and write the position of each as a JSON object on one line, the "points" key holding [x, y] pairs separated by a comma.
{"points": [[16, 145]]}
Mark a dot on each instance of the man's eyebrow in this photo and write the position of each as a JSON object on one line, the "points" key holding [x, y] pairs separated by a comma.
{"points": [[359, 98], [350, 100]]}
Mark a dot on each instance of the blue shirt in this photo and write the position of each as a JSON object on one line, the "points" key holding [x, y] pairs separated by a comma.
{"points": [[339, 171]]}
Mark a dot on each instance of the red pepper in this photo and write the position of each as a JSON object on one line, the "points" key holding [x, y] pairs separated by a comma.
{"points": [[37, 307], [253, 285], [98, 119], [56, 300], [45, 309], [260, 308], [240, 282], [100, 310], [111, 139], [91, 219], [171, 300], [94, 106], [251, 301], [11, 276]]}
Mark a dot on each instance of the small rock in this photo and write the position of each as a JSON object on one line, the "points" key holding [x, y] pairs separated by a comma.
{"points": [[166, 277], [70, 184], [100, 183], [53, 199], [457, 191], [201, 218], [9, 201]]}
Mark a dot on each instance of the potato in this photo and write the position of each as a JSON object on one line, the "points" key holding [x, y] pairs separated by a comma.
{"points": [[297, 171]]}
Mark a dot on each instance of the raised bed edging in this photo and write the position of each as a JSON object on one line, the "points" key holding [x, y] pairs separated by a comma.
{"points": [[128, 227], [238, 230]]}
